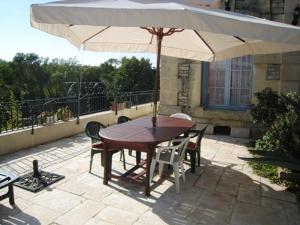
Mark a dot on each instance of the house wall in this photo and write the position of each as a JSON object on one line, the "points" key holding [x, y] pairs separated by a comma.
{"points": [[239, 121]]}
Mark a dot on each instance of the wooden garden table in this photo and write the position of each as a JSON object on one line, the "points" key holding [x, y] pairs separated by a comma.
{"points": [[141, 136]]}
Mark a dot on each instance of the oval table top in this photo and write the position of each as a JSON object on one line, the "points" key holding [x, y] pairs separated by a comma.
{"points": [[141, 130]]}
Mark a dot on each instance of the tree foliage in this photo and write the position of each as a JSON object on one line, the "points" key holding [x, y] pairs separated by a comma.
{"points": [[29, 76]]}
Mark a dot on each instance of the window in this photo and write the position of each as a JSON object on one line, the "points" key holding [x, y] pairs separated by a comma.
{"points": [[228, 83], [273, 72]]}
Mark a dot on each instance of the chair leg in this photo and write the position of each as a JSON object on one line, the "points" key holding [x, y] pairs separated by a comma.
{"points": [[11, 195], [198, 157], [91, 161], [152, 169], [130, 152], [121, 154], [124, 161], [193, 161], [160, 168], [182, 171], [176, 172]]}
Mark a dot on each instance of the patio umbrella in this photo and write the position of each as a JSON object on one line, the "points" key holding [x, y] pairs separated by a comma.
{"points": [[178, 28]]}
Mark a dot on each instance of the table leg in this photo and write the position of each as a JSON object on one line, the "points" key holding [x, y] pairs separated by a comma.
{"points": [[149, 159], [106, 165], [138, 157]]}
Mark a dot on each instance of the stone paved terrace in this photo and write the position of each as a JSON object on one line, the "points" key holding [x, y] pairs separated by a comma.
{"points": [[223, 191]]}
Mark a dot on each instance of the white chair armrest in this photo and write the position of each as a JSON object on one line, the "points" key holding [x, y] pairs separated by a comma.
{"points": [[163, 149]]}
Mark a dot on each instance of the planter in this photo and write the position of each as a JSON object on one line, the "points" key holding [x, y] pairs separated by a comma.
{"points": [[289, 176], [117, 106], [128, 104]]}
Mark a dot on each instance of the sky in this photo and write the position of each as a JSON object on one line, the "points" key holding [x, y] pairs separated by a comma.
{"points": [[18, 36]]}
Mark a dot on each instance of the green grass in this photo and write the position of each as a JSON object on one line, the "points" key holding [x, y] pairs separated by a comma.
{"points": [[270, 172], [267, 171]]}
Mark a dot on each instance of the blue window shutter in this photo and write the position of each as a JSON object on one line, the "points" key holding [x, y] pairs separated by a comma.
{"points": [[204, 84]]}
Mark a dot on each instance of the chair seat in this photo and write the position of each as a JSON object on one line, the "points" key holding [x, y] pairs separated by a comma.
{"points": [[166, 156], [98, 146], [191, 146]]}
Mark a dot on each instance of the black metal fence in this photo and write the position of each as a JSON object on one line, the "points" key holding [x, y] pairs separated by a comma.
{"points": [[30, 113]]}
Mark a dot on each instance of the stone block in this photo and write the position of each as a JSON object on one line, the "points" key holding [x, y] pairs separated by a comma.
{"points": [[247, 214], [240, 132], [117, 216], [81, 213]]}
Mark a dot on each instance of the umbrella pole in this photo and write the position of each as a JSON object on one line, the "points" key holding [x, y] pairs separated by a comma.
{"points": [[159, 37]]}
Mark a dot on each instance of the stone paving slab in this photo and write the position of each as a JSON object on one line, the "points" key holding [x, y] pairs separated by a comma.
{"points": [[223, 191]]}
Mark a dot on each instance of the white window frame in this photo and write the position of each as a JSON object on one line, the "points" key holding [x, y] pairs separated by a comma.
{"points": [[227, 87]]}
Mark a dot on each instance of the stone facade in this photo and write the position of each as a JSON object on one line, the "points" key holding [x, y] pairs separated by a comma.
{"points": [[238, 121]]}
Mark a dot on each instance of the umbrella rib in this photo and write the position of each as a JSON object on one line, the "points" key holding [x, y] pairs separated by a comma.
{"points": [[207, 45], [240, 39], [99, 32]]}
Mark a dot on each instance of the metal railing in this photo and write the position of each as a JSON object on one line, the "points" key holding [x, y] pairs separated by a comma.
{"points": [[31, 113]]}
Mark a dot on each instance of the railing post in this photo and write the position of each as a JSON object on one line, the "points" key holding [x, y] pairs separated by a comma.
{"points": [[32, 120], [78, 104], [115, 105], [0, 119]]}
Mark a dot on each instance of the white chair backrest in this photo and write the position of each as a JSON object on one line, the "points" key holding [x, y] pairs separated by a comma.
{"points": [[181, 116], [183, 148]]}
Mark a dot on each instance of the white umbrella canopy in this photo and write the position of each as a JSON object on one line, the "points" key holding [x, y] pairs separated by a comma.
{"points": [[178, 28], [209, 34]]}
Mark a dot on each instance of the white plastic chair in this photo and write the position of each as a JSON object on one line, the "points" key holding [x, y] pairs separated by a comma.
{"points": [[172, 155], [181, 116]]}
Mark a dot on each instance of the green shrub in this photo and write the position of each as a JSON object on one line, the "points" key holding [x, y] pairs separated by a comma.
{"points": [[283, 123], [268, 106]]}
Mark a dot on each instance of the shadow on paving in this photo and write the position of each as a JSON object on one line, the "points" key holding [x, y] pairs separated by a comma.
{"points": [[47, 154], [14, 216], [214, 196]]}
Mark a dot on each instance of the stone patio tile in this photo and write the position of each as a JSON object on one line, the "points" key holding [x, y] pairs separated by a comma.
{"points": [[33, 215], [150, 218], [249, 193], [236, 176], [208, 216], [226, 149], [58, 200], [278, 204], [117, 216], [90, 179], [7, 210], [26, 195], [96, 221], [279, 195], [227, 187], [218, 202], [73, 187], [191, 178], [189, 195], [81, 213], [293, 214], [98, 193], [213, 169], [247, 214], [208, 181], [128, 203]]}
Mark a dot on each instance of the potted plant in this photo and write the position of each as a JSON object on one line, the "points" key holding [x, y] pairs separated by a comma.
{"points": [[64, 113]]}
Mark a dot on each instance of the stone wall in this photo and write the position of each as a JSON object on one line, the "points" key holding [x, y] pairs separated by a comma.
{"points": [[240, 122], [21, 139]]}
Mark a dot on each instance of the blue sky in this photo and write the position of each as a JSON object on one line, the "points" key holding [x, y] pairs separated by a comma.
{"points": [[18, 36]]}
